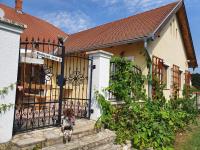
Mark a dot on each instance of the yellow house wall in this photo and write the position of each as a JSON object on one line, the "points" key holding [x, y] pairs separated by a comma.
{"points": [[135, 50], [170, 47], [72, 65], [52, 90]]}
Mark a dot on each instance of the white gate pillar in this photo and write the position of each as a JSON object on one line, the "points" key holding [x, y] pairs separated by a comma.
{"points": [[9, 55], [101, 76]]}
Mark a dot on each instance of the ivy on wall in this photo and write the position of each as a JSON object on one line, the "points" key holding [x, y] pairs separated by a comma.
{"points": [[151, 124], [3, 92]]}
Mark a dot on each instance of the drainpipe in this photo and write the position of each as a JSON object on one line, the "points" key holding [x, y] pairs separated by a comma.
{"points": [[149, 65]]}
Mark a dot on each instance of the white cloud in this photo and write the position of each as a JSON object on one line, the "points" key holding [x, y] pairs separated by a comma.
{"points": [[135, 6], [111, 2], [106, 2], [76, 21], [70, 22], [132, 6]]}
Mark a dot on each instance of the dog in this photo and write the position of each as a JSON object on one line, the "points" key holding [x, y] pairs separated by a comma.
{"points": [[68, 121]]}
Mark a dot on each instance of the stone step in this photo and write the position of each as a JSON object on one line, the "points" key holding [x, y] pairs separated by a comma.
{"points": [[109, 146], [51, 136], [86, 143], [112, 146]]}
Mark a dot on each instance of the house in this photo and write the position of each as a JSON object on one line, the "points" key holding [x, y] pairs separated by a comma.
{"points": [[54, 74], [161, 36]]}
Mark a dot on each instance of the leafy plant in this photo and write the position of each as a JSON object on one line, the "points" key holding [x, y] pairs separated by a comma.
{"points": [[126, 84], [5, 107], [3, 92], [37, 147], [152, 124]]}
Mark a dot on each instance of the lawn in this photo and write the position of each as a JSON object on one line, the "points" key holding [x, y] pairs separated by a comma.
{"points": [[189, 140]]}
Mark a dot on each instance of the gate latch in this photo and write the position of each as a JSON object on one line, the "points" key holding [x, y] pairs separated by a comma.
{"points": [[93, 66], [60, 80]]}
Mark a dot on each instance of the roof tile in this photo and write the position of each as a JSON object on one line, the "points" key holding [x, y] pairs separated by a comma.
{"points": [[36, 28], [130, 28]]}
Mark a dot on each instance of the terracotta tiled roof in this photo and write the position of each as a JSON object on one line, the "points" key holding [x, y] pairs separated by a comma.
{"points": [[128, 29], [35, 26]]}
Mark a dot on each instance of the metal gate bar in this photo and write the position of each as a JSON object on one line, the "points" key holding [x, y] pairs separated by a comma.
{"points": [[36, 105], [78, 75], [49, 80]]}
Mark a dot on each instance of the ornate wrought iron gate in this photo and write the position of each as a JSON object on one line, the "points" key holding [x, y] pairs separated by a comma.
{"points": [[49, 80], [77, 83]]}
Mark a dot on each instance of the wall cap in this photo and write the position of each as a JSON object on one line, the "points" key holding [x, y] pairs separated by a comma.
{"points": [[13, 23], [100, 53], [9, 25]]}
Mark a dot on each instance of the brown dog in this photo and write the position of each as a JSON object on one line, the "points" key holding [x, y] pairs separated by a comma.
{"points": [[68, 121]]}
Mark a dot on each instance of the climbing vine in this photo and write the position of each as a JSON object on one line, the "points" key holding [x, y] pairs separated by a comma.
{"points": [[126, 84], [152, 124], [3, 92]]}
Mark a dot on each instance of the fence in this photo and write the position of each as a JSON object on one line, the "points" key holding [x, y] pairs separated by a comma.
{"points": [[198, 100]]}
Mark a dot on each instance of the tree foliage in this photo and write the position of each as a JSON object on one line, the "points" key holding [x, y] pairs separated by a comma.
{"points": [[196, 80]]}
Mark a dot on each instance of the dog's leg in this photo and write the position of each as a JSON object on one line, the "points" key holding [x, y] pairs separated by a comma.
{"points": [[65, 136], [70, 135]]}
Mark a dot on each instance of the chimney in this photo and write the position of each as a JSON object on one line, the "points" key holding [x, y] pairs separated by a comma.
{"points": [[18, 5]]}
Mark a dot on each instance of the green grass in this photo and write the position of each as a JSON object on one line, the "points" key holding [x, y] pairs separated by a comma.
{"points": [[193, 143], [189, 140]]}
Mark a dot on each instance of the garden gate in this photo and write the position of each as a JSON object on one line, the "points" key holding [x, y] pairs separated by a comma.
{"points": [[49, 80]]}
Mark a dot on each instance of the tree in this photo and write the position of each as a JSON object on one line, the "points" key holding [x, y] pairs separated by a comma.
{"points": [[196, 80]]}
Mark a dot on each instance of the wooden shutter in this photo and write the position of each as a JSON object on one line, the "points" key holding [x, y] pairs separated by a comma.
{"points": [[157, 72], [176, 81], [187, 82]]}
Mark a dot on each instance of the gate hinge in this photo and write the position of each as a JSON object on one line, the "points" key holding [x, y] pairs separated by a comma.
{"points": [[93, 66]]}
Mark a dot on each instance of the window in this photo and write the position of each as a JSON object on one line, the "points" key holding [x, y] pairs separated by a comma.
{"points": [[130, 58]]}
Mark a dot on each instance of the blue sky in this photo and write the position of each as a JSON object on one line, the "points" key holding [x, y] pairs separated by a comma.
{"points": [[76, 15]]}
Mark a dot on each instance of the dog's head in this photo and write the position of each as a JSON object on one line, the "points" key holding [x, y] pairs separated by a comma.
{"points": [[68, 112]]}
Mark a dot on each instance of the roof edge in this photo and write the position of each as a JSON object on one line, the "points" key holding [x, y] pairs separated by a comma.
{"points": [[174, 10], [190, 36], [101, 46], [163, 23]]}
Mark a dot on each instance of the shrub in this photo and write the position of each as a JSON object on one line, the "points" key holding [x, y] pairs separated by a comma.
{"points": [[152, 124]]}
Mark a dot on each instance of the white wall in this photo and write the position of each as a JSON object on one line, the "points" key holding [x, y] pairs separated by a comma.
{"points": [[101, 77], [9, 51]]}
